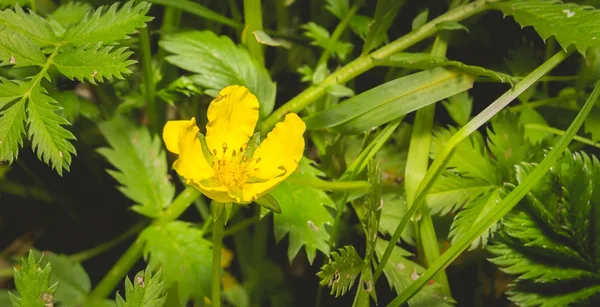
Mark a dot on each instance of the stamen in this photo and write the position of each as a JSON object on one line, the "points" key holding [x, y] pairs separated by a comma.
{"points": [[258, 160], [244, 158], [233, 153], [214, 152], [224, 147]]}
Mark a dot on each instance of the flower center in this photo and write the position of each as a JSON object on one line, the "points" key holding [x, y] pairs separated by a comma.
{"points": [[233, 170]]}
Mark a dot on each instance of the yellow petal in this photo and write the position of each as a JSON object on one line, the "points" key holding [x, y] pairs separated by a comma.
{"points": [[192, 164], [171, 133], [218, 193], [279, 155], [232, 118]]}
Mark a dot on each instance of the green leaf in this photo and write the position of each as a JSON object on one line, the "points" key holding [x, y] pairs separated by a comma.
{"points": [[303, 214], [472, 213], [341, 271], [567, 22], [358, 23], [33, 283], [338, 90], [218, 63], [450, 192], [108, 25], [459, 107], [12, 125], [11, 3], [339, 8], [147, 290], [394, 208], [66, 15], [94, 63], [269, 202], [400, 272], [141, 164], [266, 39], [420, 20], [49, 139], [320, 37], [390, 101], [506, 141], [183, 255], [531, 116], [31, 25], [450, 25], [428, 61], [17, 50], [74, 106], [591, 125], [385, 13]]}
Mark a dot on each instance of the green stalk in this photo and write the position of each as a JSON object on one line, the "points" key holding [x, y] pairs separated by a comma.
{"points": [[440, 161], [551, 130], [416, 168], [339, 30], [199, 10], [545, 102], [134, 252], [152, 109], [330, 185], [368, 61], [253, 19], [216, 260], [505, 206], [99, 249]]}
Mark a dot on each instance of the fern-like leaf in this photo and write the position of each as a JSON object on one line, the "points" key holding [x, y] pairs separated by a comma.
{"points": [[108, 25], [33, 283], [471, 214], [451, 191], [569, 23], [67, 14], [320, 37], [17, 50], [12, 120], [147, 290], [94, 63], [31, 25], [342, 270]]}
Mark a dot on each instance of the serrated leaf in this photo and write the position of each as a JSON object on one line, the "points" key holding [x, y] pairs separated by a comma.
{"points": [[450, 192], [507, 143], [531, 116], [95, 63], [30, 25], [33, 284], [11, 3], [17, 50], [12, 122], [303, 214], [141, 165], [218, 63], [401, 272], [472, 213], [67, 14], [49, 139], [394, 208], [147, 290], [183, 255], [569, 23], [459, 107], [385, 13], [108, 25], [341, 271], [320, 37]]}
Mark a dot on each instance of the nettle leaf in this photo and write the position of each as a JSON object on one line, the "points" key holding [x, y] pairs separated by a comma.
{"points": [[569, 23], [33, 284], [394, 209], [320, 37], [385, 13], [303, 214], [141, 164], [450, 192], [401, 272], [108, 25], [459, 107], [472, 213], [147, 290], [94, 63], [183, 255], [551, 242], [531, 116], [341, 271], [507, 143], [17, 50], [30, 25], [218, 63], [68, 14]]}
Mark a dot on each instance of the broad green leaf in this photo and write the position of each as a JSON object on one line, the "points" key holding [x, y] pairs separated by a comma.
{"points": [[141, 165], [320, 37], [303, 214], [95, 63], [390, 101], [342, 270], [459, 108], [449, 25], [385, 13], [183, 255], [472, 213], [218, 63], [67, 14], [33, 284], [428, 61], [108, 25], [506, 141], [567, 22], [450, 192], [30, 25], [49, 138], [400, 272], [147, 290], [17, 50], [266, 39]]}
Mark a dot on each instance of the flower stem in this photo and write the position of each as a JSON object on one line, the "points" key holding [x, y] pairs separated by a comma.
{"points": [[254, 20], [368, 61], [335, 36], [216, 259], [559, 132], [152, 110], [134, 253]]}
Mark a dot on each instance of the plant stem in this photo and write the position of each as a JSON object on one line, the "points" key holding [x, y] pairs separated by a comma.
{"points": [[505, 205], [440, 161], [154, 121], [253, 19], [199, 10], [216, 260], [335, 36], [561, 132], [330, 185], [134, 252], [368, 61], [544, 102]]}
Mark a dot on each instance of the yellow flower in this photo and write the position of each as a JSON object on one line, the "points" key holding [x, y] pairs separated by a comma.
{"points": [[230, 168]]}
